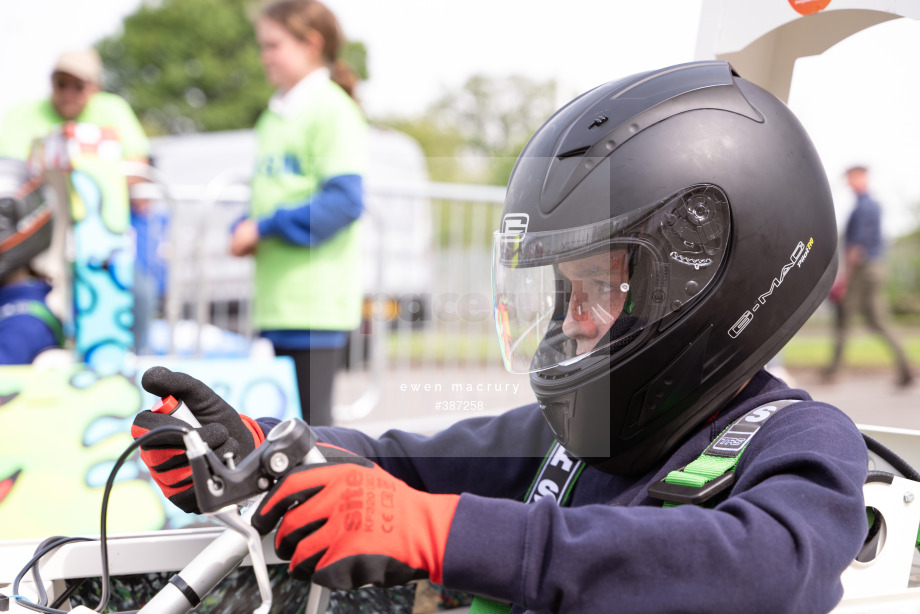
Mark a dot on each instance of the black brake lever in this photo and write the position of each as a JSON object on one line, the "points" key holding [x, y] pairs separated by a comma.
{"points": [[219, 483]]}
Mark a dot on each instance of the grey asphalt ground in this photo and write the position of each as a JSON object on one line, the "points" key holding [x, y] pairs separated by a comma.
{"points": [[869, 397]]}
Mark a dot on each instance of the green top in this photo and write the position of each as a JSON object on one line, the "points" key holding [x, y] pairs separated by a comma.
{"points": [[324, 135], [31, 120]]}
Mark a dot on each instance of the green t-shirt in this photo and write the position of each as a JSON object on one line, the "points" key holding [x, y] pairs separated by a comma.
{"points": [[31, 120], [318, 287]]}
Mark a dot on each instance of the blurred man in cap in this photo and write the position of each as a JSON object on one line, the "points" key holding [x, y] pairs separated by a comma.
{"points": [[76, 78], [76, 84], [77, 96]]}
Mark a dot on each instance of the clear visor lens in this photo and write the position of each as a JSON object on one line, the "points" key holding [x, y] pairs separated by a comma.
{"points": [[562, 296]]}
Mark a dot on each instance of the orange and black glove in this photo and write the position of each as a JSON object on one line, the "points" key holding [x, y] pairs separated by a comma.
{"points": [[222, 428], [350, 524]]}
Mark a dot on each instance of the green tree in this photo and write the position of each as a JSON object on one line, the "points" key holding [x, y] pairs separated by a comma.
{"points": [[354, 53], [475, 133], [188, 65], [903, 283], [193, 65]]}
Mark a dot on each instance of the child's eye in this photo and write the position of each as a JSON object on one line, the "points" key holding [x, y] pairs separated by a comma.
{"points": [[604, 287]]}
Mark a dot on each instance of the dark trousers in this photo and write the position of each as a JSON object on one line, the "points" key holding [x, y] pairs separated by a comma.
{"points": [[865, 297], [315, 369]]}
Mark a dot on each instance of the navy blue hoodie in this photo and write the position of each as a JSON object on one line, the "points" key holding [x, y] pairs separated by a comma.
{"points": [[792, 523], [22, 335]]}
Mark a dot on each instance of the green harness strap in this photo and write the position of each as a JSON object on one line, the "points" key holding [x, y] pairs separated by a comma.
{"points": [[714, 470], [481, 605], [696, 483], [38, 310], [555, 479]]}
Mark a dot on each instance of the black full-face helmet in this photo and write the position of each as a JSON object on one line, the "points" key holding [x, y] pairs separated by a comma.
{"points": [[663, 236], [25, 218]]}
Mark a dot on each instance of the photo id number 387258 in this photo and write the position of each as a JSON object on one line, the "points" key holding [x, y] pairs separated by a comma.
{"points": [[459, 406]]}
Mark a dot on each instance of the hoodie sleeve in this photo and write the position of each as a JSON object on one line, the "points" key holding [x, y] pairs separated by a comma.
{"points": [[338, 203], [793, 522]]}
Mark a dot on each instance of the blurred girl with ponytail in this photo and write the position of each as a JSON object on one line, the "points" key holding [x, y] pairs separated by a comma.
{"points": [[306, 198]]}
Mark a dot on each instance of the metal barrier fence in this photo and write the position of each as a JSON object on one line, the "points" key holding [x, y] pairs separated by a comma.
{"points": [[426, 267]]}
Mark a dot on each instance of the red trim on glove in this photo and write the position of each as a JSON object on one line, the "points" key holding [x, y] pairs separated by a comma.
{"points": [[169, 490], [168, 479], [257, 435]]}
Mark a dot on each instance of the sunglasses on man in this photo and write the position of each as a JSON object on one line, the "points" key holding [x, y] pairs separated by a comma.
{"points": [[65, 83]]}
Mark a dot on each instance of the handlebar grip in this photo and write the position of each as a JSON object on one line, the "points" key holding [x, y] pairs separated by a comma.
{"points": [[171, 406], [186, 589]]}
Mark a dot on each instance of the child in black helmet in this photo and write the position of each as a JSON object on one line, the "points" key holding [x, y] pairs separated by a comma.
{"points": [[663, 236]]}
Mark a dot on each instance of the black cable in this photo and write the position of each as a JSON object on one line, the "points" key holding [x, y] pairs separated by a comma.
{"points": [[70, 590], [42, 595], [891, 457], [42, 551], [110, 482], [35, 558]]}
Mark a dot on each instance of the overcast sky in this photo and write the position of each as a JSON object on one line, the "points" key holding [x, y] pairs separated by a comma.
{"points": [[858, 100]]}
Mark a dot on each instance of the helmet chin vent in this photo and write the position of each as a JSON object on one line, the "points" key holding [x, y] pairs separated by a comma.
{"points": [[559, 415], [676, 381]]}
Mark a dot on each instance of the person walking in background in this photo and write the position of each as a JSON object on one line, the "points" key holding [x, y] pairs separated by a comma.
{"points": [[860, 287], [306, 196], [77, 96]]}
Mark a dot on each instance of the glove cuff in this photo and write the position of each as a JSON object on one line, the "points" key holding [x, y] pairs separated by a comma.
{"points": [[440, 510], [254, 429]]}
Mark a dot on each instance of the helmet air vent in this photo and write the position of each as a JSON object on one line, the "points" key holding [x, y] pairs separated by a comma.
{"points": [[572, 153]]}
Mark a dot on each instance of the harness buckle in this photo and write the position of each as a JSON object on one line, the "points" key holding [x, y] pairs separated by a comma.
{"points": [[692, 495]]}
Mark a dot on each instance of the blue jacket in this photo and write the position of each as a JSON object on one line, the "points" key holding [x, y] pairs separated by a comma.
{"points": [[794, 519], [23, 335], [864, 227], [338, 203]]}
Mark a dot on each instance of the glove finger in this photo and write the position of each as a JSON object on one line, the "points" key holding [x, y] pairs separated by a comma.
{"points": [[291, 532], [359, 570], [206, 404], [185, 500], [301, 534], [290, 491], [160, 460], [179, 491], [217, 437], [305, 567], [215, 434], [231, 446], [177, 477], [147, 421], [305, 519], [175, 482]]}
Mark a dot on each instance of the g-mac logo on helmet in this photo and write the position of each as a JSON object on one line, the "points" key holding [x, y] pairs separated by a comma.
{"points": [[796, 258]]}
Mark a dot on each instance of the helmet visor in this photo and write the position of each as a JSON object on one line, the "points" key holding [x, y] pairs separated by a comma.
{"points": [[561, 296]]}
